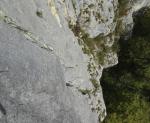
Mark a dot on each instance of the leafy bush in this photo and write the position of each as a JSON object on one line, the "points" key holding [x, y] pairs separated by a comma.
{"points": [[127, 85]]}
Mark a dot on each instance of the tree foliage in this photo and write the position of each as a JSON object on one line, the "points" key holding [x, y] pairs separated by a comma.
{"points": [[127, 85]]}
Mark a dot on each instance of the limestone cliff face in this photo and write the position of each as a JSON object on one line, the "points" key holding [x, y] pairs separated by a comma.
{"points": [[45, 74], [94, 16]]}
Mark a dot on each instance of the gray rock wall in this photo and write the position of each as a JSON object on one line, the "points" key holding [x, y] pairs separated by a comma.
{"points": [[32, 87], [40, 55], [37, 58]]}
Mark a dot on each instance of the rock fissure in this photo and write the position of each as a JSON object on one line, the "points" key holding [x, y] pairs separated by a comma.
{"points": [[30, 36]]}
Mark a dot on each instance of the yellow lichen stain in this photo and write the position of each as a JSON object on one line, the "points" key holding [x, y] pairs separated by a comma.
{"points": [[54, 12]]}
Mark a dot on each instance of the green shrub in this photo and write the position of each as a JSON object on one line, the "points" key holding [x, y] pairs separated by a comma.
{"points": [[126, 86]]}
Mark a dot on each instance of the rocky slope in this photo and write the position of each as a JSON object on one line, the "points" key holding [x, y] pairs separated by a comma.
{"points": [[48, 71]]}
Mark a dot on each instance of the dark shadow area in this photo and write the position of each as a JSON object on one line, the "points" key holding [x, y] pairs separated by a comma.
{"points": [[126, 86], [2, 109]]}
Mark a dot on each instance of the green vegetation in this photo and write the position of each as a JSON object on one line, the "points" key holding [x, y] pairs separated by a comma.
{"points": [[123, 7], [93, 46], [97, 47], [96, 85], [126, 86], [85, 91]]}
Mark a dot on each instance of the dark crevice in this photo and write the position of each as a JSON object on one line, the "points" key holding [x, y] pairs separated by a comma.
{"points": [[2, 109]]}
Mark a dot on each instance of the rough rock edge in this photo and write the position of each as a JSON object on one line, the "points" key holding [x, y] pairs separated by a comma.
{"points": [[110, 59], [95, 70]]}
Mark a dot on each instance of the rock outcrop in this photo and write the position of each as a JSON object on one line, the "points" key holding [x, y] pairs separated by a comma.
{"points": [[46, 74]]}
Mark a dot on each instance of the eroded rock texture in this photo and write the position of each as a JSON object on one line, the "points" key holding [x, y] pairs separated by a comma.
{"points": [[37, 59], [45, 77]]}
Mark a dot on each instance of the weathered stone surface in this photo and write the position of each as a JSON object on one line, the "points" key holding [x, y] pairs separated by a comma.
{"points": [[37, 58], [95, 17], [40, 55], [32, 87]]}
